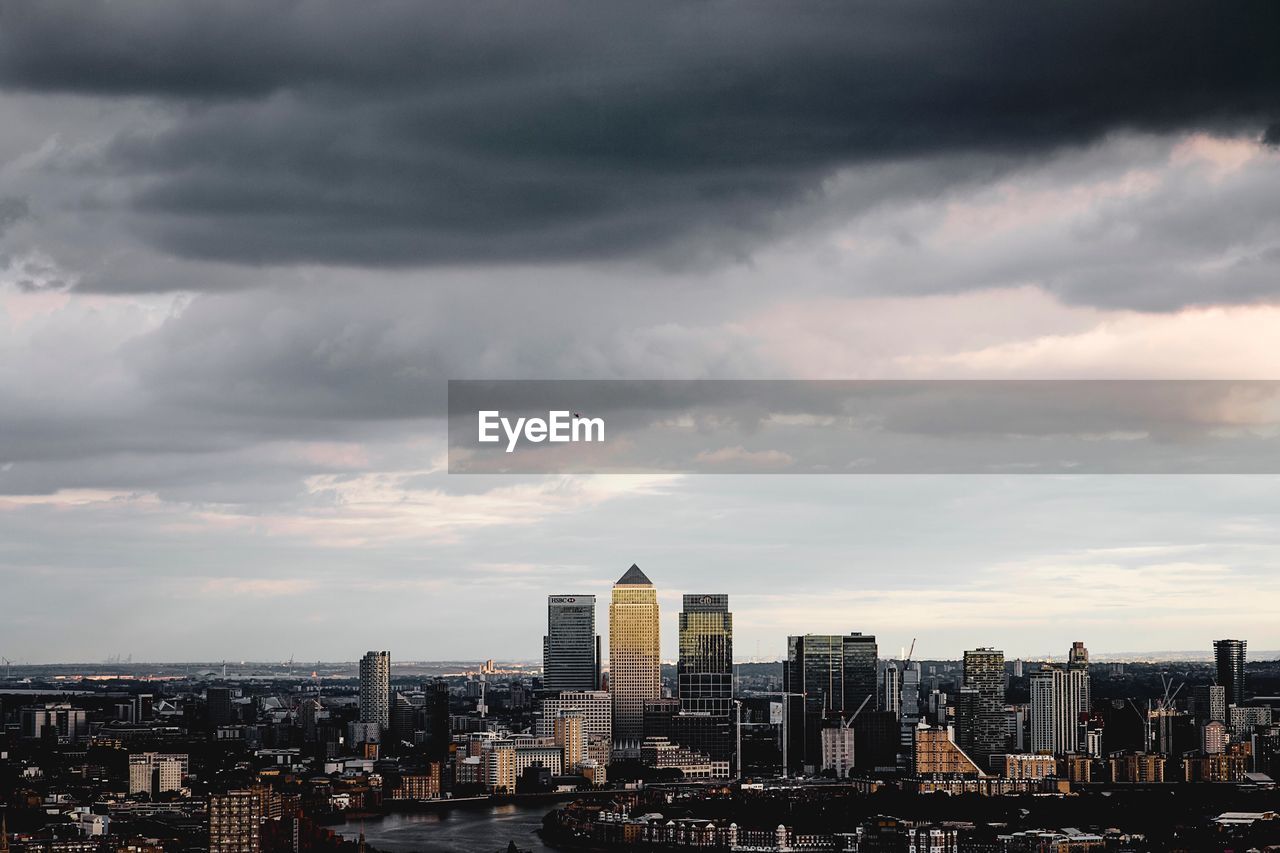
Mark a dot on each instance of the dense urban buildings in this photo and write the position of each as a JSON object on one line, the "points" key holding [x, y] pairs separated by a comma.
{"points": [[634, 654], [571, 647], [595, 710], [260, 762]]}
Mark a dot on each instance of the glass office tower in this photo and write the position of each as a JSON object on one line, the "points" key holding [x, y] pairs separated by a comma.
{"points": [[836, 675], [706, 655], [571, 648]]}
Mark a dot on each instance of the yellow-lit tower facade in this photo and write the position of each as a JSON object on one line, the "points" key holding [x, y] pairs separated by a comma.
{"points": [[635, 675]]}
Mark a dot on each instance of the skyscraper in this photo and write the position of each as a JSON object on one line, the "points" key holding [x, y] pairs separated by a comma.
{"points": [[634, 662], [705, 670], [571, 648], [438, 722], [891, 692], [1057, 697], [375, 688], [980, 714], [837, 675], [1229, 655], [909, 718], [1078, 659]]}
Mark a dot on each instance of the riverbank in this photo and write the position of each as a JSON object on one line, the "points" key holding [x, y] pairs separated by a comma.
{"points": [[464, 827]]}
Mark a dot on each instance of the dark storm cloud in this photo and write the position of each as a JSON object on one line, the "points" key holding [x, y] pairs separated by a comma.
{"points": [[400, 134]]}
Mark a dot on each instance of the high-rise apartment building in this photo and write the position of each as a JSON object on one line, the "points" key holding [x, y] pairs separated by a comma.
{"points": [[980, 711], [235, 822], [375, 688], [1229, 656], [1078, 659], [831, 677], [571, 647], [634, 663], [570, 735], [1057, 700], [705, 670]]}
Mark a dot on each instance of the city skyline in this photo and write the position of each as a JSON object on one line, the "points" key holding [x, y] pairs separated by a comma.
{"points": [[750, 426]]}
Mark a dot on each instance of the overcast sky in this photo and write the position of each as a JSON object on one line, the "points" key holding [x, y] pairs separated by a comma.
{"points": [[241, 252]]}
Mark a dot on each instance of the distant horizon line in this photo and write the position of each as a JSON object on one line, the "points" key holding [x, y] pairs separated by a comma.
{"points": [[1153, 656]]}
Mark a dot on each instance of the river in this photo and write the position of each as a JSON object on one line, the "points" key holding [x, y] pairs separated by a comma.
{"points": [[466, 829]]}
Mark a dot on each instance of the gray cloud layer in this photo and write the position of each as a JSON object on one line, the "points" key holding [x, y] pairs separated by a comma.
{"points": [[400, 133], [243, 246]]}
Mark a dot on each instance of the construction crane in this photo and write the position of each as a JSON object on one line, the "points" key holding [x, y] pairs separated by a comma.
{"points": [[849, 721], [1166, 700], [911, 651], [7, 663]]}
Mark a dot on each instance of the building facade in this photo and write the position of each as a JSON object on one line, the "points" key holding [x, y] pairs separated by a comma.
{"points": [[634, 663], [1209, 703], [1057, 701], [153, 773], [981, 716], [909, 716], [57, 720], [936, 753], [705, 669], [828, 677], [891, 691], [571, 737], [375, 688], [838, 751], [1229, 657], [235, 822], [571, 647]]}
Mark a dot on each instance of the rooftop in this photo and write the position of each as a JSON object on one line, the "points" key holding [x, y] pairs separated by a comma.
{"points": [[634, 577]]}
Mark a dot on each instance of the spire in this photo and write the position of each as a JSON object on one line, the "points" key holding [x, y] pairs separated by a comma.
{"points": [[634, 577]]}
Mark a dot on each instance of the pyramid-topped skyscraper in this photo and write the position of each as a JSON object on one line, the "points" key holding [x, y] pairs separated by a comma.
{"points": [[634, 661]]}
